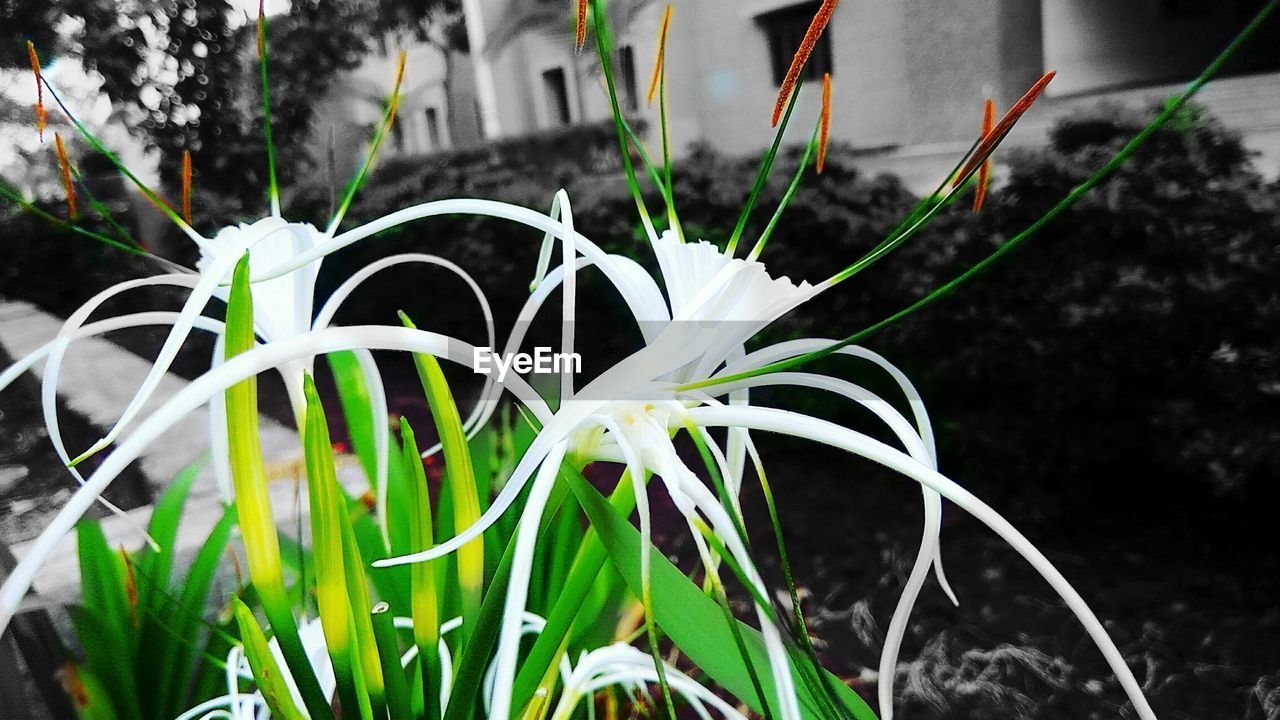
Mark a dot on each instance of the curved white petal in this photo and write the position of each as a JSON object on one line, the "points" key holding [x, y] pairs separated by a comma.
{"points": [[793, 348], [781, 421], [621, 664], [200, 390], [518, 585], [214, 272], [100, 327], [932, 516], [638, 291]]}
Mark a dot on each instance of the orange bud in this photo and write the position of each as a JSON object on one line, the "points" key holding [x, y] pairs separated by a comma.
{"points": [[262, 29], [984, 173], [824, 125], [395, 91], [186, 186], [819, 24], [662, 53], [74, 686], [65, 167], [41, 114], [130, 587], [1002, 128], [580, 37]]}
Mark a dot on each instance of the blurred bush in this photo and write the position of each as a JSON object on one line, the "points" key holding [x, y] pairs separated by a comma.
{"points": [[1129, 349]]}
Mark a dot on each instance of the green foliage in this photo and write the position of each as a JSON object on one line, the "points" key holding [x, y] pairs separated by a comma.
{"points": [[693, 620], [1148, 305], [142, 635]]}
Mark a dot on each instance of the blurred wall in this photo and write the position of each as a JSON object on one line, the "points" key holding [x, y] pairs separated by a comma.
{"points": [[1104, 43]]}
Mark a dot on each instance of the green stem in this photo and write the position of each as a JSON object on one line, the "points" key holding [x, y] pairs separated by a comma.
{"points": [[591, 558], [1171, 108], [606, 68], [766, 166], [786, 197]]}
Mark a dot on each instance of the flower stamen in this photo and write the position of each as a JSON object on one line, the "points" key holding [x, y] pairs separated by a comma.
{"points": [[824, 125], [984, 174], [819, 24], [1002, 129], [64, 166], [580, 37], [42, 115], [186, 186], [662, 53]]}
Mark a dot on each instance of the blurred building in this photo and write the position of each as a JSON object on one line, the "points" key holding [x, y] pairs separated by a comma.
{"points": [[909, 76], [437, 112]]}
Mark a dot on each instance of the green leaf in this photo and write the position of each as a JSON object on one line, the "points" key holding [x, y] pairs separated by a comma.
{"points": [[154, 566], [424, 576], [104, 625], [253, 502], [460, 478], [326, 548], [153, 569], [693, 621], [266, 673], [180, 652]]}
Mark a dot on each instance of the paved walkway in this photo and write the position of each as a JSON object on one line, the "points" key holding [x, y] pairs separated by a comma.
{"points": [[98, 379]]}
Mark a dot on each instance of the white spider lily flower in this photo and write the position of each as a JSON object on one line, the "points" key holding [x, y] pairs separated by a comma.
{"points": [[713, 286], [236, 704], [213, 383], [284, 306], [674, 353], [625, 666], [732, 298]]}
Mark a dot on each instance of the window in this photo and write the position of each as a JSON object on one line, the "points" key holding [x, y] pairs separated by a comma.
{"points": [[627, 69], [553, 84], [785, 30], [433, 129]]}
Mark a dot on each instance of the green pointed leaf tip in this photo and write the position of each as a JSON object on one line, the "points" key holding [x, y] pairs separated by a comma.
{"points": [[459, 476], [326, 547], [424, 578], [253, 502], [266, 673]]}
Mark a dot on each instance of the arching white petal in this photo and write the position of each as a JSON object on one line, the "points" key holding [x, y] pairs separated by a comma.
{"points": [[933, 508], [638, 290], [100, 327], [518, 585], [794, 348], [621, 664], [200, 390], [780, 421], [213, 273]]}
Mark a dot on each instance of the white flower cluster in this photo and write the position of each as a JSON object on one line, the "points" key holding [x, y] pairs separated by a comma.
{"points": [[694, 317]]}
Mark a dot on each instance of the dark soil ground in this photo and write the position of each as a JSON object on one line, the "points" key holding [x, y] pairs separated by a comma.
{"points": [[1188, 587]]}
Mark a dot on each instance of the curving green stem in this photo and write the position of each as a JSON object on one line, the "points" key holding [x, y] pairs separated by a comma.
{"points": [[1171, 108]]}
